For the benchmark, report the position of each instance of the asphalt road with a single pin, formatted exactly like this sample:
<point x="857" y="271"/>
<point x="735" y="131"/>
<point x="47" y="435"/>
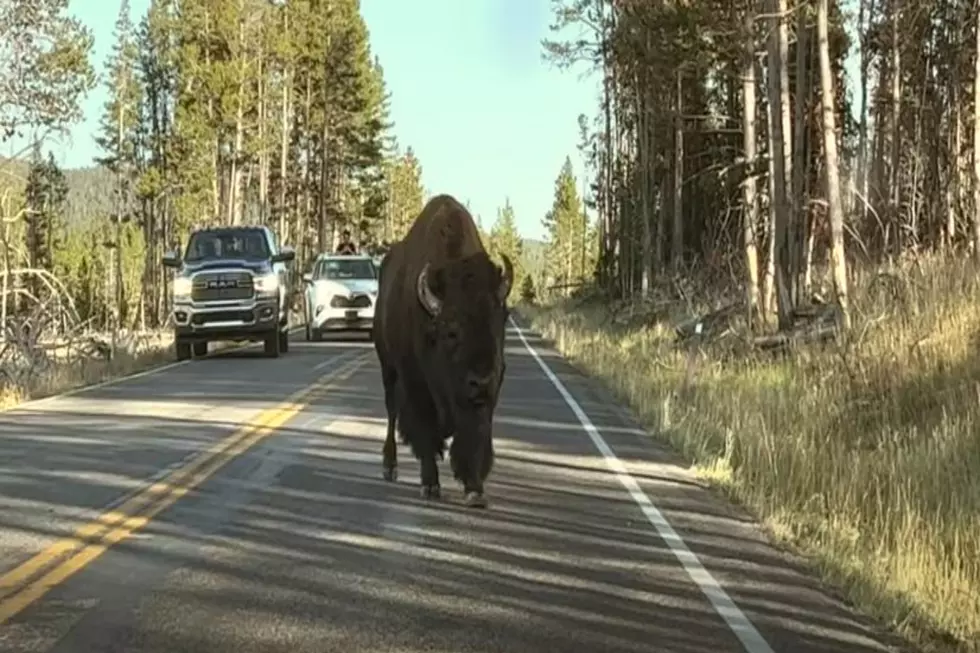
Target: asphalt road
<point x="289" y="540"/>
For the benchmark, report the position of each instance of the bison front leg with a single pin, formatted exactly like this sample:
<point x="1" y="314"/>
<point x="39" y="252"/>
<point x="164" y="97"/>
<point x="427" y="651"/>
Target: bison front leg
<point x="471" y="462"/>
<point x="389" y="454"/>
<point x="430" y="477"/>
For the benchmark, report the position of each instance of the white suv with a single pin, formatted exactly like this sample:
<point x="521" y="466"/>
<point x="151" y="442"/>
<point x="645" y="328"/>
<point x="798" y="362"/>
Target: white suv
<point x="340" y="294"/>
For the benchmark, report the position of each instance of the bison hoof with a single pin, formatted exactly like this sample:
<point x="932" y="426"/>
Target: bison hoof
<point x="391" y="473"/>
<point x="431" y="492"/>
<point x="475" y="500"/>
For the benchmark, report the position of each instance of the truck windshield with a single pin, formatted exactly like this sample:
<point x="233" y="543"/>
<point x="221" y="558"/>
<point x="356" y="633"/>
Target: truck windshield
<point x="345" y="269"/>
<point x="248" y="244"/>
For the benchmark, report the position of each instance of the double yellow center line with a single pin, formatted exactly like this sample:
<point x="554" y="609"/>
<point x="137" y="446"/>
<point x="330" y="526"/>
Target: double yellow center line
<point x="25" y="584"/>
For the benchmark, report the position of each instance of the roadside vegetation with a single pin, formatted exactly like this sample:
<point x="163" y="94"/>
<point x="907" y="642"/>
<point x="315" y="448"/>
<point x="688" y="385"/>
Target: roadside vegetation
<point x="780" y="273"/>
<point x="863" y="456"/>
<point x="34" y="370"/>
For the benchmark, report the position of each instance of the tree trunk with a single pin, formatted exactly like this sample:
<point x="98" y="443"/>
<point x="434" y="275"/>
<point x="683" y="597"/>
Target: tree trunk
<point x="750" y="205"/>
<point x="894" y="191"/>
<point x="263" y="146"/>
<point x="326" y="158"/>
<point x="287" y="85"/>
<point x="976" y="142"/>
<point x="780" y="157"/>
<point x="865" y="11"/>
<point x="831" y="168"/>
<point x="770" y="305"/>
<point x="234" y="170"/>
<point x="800" y="263"/>
<point x="643" y="132"/>
<point x="677" y="244"/>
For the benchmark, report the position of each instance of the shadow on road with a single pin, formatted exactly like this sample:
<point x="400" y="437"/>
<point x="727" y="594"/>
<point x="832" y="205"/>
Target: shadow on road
<point x="300" y="546"/>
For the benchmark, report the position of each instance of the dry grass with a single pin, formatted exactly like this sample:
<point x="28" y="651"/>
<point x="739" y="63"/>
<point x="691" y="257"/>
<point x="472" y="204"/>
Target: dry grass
<point x="866" y="458"/>
<point x="67" y="371"/>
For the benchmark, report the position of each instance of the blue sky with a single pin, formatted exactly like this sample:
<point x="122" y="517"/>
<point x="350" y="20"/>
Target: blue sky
<point x="487" y="117"/>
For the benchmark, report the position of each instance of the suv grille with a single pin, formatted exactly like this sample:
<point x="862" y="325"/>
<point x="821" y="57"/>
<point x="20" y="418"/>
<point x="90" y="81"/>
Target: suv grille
<point x="357" y="301"/>
<point x="216" y="286"/>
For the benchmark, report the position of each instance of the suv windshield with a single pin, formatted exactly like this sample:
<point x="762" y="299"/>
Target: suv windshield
<point x="248" y="244"/>
<point x="345" y="269"/>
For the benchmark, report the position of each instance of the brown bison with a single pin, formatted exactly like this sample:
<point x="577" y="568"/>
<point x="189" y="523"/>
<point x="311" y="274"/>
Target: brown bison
<point x="439" y="327"/>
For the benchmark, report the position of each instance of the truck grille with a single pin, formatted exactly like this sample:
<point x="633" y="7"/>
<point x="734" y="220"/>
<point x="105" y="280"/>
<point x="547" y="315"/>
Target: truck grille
<point x="357" y="301"/>
<point x="223" y="316"/>
<point x="217" y="286"/>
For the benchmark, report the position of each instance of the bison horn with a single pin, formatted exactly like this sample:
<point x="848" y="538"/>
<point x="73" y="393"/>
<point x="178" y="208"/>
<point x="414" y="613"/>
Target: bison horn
<point x="506" y="279"/>
<point x="429" y="301"/>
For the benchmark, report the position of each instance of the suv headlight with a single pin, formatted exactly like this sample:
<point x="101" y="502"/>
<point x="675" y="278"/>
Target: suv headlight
<point x="267" y="283"/>
<point x="182" y="287"/>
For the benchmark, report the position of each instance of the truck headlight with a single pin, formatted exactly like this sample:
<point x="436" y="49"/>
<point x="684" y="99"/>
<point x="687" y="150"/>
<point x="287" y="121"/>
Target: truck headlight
<point x="267" y="283"/>
<point x="182" y="288"/>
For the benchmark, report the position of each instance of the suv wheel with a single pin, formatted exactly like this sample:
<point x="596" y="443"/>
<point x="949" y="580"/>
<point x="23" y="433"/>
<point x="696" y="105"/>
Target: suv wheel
<point x="284" y="341"/>
<point x="201" y="348"/>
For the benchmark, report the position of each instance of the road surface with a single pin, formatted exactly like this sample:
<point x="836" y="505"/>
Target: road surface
<point x="126" y="527"/>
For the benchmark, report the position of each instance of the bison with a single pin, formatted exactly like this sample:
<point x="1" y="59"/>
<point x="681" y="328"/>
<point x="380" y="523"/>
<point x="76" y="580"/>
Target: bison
<point x="439" y="327"/>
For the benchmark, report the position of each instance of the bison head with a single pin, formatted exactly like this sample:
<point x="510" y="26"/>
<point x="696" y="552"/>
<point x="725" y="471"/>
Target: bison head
<point x="467" y="304"/>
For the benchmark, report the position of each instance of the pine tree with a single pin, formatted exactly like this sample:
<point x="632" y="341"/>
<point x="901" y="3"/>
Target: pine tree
<point x="119" y="140"/>
<point x="405" y="194"/>
<point x="121" y="114"/>
<point x="504" y="239"/>
<point x="565" y="226"/>
<point x="46" y="197"/>
<point x="45" y="71"/>
<point x="528" y="294"/>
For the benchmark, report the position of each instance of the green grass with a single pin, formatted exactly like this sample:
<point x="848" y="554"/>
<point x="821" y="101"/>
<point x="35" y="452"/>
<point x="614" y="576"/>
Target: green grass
<point x="865" y="458"/>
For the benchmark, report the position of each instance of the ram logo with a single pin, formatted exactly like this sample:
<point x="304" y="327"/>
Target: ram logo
<point x="221" y="284"/>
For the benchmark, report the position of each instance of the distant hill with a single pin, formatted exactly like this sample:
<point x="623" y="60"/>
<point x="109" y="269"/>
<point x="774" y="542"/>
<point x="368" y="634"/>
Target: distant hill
<point x="533" y="244"/>
<point x="534" y="261"/>
<point x="90" y="190"/>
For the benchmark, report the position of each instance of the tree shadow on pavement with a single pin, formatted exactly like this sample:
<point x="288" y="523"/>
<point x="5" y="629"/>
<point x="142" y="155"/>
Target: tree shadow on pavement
<point x="298" y="545"/>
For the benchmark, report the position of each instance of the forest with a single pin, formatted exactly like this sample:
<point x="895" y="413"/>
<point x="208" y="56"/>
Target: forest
<point x="788" y="208"/>
<point x="250" y="112"/>
<point x="257" y="112"/>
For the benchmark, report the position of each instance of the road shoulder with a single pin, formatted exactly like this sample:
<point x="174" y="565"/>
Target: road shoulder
<point x="778" y="589"/>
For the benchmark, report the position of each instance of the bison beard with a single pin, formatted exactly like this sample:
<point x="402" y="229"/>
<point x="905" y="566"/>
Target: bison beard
<point x="439" y="331"/>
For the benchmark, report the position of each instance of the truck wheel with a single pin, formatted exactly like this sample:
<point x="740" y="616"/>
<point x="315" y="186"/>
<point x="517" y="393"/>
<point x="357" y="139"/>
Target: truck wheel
<point x="272" y="343"/>
<point x="183" y="349"/>
<point x="201" y="348"/>
<point x="284" y="341"/>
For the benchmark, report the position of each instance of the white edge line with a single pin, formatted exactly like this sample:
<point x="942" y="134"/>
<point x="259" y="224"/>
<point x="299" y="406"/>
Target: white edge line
<point x="723" y="604"/>
<point x="33" y="403"/>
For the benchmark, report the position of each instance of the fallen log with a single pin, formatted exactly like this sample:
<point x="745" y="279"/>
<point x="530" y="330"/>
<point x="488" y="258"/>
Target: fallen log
<point x="706" y="326"/>
<point x="788" y="339"/>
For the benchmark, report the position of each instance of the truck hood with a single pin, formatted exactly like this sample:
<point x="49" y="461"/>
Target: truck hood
<point x="257" y="267"/>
